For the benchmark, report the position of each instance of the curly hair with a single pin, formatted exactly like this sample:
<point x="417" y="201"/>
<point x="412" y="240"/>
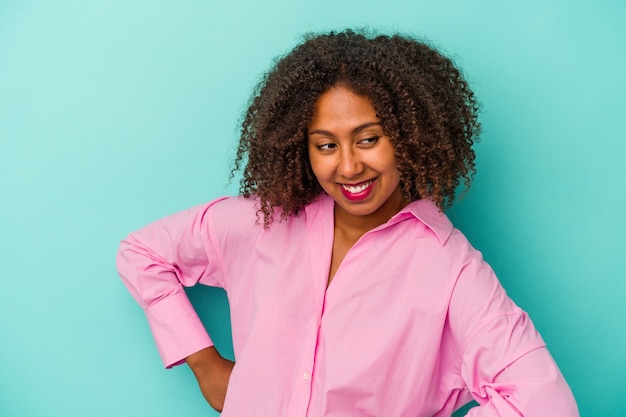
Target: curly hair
<point x="423" y="101"/>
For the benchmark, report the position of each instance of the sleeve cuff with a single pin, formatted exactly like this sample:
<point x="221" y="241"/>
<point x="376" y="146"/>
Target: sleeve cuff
<point x="177" y="329"/>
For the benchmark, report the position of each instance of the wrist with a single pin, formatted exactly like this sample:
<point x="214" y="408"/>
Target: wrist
<point x="203" y="359"/>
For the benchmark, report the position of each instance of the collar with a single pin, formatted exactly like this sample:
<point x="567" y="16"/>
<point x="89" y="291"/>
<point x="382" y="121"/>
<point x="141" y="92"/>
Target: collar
<point x="424" y="210"/>
<point x="427" y="212"/>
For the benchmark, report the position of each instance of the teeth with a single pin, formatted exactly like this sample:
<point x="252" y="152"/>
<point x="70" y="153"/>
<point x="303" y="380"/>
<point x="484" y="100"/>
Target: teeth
<point x="355" y="189"/>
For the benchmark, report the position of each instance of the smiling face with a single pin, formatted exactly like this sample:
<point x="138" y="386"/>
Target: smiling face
<point x="352" y="158"/>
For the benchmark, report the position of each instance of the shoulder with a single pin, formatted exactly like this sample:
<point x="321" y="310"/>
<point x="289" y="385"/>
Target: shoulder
<point x="233" y="215"/>
<point x="234" y="206"/>
<point x="435" y="226"/>
<point x="239" y="217"/>
<point x="428" y="214"/>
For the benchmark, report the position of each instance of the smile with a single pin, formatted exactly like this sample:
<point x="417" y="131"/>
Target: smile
<point x="356" y="192"/>
<point x="358" y="188"/>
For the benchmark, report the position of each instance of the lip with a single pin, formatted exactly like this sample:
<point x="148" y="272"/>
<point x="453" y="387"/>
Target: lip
<point x="357" y="194"/>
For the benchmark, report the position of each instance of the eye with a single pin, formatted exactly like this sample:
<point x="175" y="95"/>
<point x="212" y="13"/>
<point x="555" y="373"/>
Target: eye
<point x="369" y="141"/>
<point x="326" y="147"/>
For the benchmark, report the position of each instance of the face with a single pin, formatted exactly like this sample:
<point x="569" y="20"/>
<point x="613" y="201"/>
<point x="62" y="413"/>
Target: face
<point x="352" y="158"/>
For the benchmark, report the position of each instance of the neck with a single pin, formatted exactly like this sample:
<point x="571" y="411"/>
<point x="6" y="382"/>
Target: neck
<point x="356" y="226"/>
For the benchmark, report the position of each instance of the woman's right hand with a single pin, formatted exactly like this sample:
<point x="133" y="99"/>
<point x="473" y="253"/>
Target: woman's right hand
<point x="213" y="373"/>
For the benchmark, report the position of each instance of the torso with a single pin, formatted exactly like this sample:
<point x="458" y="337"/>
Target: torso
<point x="383" y="323"/>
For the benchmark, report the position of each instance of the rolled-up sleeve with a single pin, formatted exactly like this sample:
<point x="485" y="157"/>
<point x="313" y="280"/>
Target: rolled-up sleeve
<point x="505" y="363"/>
<point x="156" y="262"/>
<point x="531" y="386"/>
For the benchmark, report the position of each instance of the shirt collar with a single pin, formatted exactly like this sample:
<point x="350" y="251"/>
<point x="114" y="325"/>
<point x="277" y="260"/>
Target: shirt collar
<point x="427" y="212"/>
<point x="424" y="210"/>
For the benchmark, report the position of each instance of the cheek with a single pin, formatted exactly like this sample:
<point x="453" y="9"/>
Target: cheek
<point x="315" y="167"/>
<point x="319" y="166"/>
<point x="312" y="161"/>
<point x="387" y="161"/>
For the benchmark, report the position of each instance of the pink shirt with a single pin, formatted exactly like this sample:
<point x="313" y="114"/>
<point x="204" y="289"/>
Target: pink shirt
<point x="414" y="323"/>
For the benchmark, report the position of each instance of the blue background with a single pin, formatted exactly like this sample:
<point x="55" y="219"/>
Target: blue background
<point x="115" y="113"/>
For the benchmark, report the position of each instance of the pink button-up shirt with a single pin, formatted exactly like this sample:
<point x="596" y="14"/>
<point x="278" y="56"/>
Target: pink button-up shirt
<point x="414" y="323"/>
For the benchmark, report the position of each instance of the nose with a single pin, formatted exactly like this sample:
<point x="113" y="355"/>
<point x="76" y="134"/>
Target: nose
<point x="350" y="164"/>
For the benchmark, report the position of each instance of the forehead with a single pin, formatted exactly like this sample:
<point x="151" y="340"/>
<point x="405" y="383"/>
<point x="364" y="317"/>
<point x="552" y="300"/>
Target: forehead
<point x="341" y="107"/>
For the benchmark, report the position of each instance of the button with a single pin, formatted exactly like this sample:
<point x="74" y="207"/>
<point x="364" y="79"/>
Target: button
<point x="306" y="376"/>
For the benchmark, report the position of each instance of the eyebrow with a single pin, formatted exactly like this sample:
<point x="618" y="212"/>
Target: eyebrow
<point x="354" y="131"/>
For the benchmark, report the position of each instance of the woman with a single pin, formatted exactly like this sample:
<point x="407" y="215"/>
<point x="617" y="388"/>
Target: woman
<point x="351" y="293"/>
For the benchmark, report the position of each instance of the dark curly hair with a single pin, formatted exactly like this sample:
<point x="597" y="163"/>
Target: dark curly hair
<point x="425" y="106"/>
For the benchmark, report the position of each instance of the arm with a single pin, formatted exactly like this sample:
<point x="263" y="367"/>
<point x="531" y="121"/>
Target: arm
<point x="505" y="363"/>
<point x="155" y="263"/>
<point x="213" y="373"/>
<point x="530" y="386"/>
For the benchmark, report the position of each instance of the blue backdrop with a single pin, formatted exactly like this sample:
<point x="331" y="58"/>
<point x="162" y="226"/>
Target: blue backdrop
<point x="115" y="113"/>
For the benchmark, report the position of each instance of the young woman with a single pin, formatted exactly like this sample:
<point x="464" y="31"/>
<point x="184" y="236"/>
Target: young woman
<point x="351" y="293"/>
